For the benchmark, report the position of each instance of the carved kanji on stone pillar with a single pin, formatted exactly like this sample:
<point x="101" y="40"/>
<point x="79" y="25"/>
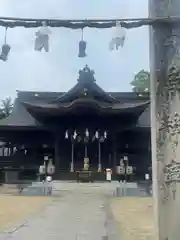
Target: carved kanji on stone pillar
<point x="165" y="87"/>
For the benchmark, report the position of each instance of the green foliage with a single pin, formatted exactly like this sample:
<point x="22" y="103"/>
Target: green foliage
<point x="141" y="82"/>
<point x="6" y="108"/>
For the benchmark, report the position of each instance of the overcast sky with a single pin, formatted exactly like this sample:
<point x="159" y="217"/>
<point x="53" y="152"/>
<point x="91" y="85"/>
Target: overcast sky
<point x="58" y="69"/>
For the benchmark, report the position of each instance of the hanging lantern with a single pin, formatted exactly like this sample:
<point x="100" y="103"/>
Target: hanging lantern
<point x="82" y="47"/>
<point x="5" y="49"/>
<point x="87" y="133"/>
<point x="66" y="135"/>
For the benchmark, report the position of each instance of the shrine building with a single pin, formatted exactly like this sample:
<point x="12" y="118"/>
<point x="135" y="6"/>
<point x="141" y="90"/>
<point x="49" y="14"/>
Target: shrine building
<point x="85" y="121"/>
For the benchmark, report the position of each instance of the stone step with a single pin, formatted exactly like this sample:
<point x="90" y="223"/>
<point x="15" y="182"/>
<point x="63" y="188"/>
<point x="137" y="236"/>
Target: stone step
<point x="36" y="191"/>
<point x="131" y="192"/>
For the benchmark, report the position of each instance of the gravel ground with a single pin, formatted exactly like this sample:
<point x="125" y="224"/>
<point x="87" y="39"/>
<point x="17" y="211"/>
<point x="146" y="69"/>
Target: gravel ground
<point x="15" y="209"/>
<point x="134" y="217"/>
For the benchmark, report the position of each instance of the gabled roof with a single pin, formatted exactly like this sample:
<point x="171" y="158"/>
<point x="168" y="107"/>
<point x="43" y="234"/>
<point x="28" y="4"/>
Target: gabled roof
<point x="85" y="93"/>
<point x="86" y="87"/>
<point x="113" y="107"/>
<point x="34" y="96"/>
<point x="19" y="117"/>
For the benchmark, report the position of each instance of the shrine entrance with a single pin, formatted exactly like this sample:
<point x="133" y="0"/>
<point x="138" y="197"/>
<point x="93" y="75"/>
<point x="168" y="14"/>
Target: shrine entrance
<point x="88" y="145"/>
<point x="96" y="154"/>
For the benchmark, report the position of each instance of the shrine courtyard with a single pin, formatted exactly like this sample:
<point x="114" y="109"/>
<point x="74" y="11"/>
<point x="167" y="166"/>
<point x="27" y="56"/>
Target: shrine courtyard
<point x="88" y="210"/>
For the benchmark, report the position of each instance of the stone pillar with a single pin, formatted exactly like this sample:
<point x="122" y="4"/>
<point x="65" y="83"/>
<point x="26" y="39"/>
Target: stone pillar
<point x="165" y="118"/>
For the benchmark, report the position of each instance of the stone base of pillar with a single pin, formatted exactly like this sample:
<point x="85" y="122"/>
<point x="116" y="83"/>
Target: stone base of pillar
<point x="72" y="167"/>
<point x="99" y="167"/>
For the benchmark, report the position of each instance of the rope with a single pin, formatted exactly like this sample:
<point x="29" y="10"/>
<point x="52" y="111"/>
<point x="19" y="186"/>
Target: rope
<point x="5" y="37"/>
<point x="82" y="34"/>
<point x="91" y="23"/>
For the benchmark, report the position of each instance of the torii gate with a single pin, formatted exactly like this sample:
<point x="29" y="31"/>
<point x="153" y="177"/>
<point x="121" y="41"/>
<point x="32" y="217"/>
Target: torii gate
<point x="165" y="117"/>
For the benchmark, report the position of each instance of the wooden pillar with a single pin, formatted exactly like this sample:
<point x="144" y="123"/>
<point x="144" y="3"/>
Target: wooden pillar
<point x="165" y="118"/>
<point x="57" y="155"/>
<point x="114" y="151"/>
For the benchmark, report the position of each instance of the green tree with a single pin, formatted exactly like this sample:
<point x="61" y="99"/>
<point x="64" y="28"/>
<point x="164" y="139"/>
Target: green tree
<point x="6" y="108"/>
<point x="141" y="82"/>
<point x="1" y="114"/>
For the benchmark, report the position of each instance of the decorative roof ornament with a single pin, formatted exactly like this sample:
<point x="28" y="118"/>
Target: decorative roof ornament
<point x="86" y="75"/>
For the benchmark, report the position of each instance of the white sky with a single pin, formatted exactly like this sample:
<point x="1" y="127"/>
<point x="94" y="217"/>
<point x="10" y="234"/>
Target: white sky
<point x="58" y="69"/>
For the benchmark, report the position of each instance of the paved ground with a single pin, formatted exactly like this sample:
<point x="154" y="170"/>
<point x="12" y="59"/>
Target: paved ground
<point x="80" y="213"/>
